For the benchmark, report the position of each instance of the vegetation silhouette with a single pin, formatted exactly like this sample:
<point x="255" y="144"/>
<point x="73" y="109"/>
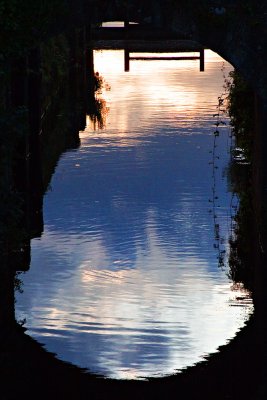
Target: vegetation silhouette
<point x="236" y="102"/>
<point x="97" y="107"/>
<point x="241" y="110"/>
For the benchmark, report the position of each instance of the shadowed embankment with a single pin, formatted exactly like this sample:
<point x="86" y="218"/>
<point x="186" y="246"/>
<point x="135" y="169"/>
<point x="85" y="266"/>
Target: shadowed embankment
<point x="28" y="371"/>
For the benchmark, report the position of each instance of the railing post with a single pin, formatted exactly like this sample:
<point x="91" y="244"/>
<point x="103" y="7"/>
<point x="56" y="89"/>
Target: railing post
<point x="202" y="60"/>
<point x="126" y="60"/>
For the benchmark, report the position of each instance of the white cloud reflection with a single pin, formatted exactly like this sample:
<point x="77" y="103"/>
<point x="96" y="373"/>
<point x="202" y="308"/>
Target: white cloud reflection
<point x="126" y="322"/>
<point x="124" y="280"/>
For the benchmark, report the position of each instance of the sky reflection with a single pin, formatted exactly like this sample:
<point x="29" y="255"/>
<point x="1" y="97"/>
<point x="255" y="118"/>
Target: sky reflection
<point x="125" y="275"/>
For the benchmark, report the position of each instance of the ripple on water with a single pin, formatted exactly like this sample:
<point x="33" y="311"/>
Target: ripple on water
<point x="124" y="280"/>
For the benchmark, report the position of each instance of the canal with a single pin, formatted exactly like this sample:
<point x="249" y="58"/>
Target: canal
<point x="126" y="279"/>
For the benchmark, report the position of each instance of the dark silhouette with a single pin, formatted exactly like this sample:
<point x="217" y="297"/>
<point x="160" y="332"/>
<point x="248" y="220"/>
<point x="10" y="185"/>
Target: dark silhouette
<point x="237" y="30"/>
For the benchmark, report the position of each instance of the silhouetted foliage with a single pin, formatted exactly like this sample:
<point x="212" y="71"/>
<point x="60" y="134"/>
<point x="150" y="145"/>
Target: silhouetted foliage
<point x="240" y="108"/>
<point x="237" y="102"/>
<point x="97" y="107"/>
<point x="23" y="25"/>
<point x="12" y="127"/>
<point x="54" y="66"/>
<point x="241" y="111"/>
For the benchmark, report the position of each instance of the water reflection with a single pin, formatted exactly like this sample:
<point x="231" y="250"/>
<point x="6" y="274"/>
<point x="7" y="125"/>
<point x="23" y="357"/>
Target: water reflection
<point x="125" y="276"/>
<point x="97" y="106"/>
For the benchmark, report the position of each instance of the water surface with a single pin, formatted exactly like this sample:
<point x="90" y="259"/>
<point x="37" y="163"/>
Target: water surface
<point x="124" y="280"/>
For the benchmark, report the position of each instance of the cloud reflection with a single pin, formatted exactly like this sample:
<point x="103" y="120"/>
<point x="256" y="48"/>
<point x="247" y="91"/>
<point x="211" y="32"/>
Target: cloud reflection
<point x="185" y="94"/>
<point x="127" y="322"/>
<point x="125" y="272"/>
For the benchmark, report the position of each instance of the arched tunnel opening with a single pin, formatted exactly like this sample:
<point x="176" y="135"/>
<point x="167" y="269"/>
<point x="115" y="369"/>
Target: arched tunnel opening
<point x="123" y="142"/>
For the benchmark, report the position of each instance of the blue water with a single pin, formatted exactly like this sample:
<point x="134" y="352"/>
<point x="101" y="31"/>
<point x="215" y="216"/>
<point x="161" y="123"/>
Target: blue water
<point x="125" y="280"/>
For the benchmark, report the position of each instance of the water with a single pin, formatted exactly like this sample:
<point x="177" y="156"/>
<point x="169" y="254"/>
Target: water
<point x="124" y="280"/>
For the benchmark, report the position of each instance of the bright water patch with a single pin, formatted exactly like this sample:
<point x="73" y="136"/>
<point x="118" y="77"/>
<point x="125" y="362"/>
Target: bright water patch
<point x="124" y="280"/>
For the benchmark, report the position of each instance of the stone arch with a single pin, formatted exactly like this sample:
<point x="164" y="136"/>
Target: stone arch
<point x="233" y="29"/>
<point x="236" y="30"/>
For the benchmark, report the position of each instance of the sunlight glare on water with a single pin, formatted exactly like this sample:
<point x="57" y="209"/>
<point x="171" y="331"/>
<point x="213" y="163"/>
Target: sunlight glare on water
<point x="124" y="280"/>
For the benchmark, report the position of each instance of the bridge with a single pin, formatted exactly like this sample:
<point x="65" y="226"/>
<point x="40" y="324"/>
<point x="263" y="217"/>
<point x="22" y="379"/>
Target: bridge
<point x="135" y="38"/>
<point x="234" y="29"/>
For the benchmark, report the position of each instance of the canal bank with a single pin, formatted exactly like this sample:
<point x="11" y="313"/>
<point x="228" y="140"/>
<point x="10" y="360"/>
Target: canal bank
<point x="28" y="370"/>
